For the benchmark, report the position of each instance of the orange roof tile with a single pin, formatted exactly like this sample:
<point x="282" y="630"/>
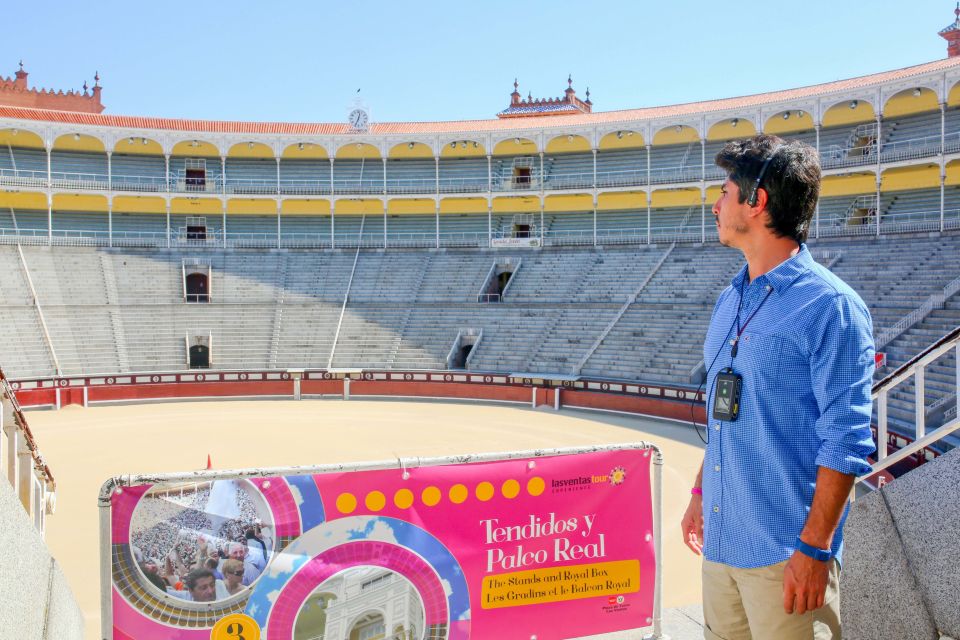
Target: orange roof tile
<point x="453" y="126"/>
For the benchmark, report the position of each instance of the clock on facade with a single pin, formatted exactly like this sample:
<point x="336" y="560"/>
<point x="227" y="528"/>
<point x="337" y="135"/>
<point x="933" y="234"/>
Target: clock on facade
<point x="359" y="119"/>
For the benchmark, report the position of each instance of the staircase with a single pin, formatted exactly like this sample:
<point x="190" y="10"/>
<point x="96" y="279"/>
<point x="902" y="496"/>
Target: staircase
<point x="116" y="320"/>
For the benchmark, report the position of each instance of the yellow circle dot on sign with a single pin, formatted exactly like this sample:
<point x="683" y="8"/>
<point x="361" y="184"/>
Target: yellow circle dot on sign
<point x="236" y="626"/>
<point x="510" y="489"/>
<point x="484" y="491"/>
<point x="403" y="499"/>
<point x="458" y="493"/>
<point x="430" y="496"/>
<point x="375" y="501"/>
<point x="535" y="486"/>
<point x="346" y="503"/>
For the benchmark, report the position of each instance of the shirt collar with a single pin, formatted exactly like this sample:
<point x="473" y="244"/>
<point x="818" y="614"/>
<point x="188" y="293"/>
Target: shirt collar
<point x="781" y="276"/>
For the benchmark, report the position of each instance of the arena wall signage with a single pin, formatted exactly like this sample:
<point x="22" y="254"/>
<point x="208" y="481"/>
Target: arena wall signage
<point x="550" y="544"/>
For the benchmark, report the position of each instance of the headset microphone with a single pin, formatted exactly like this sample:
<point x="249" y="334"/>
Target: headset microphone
<point x="752" y="200"/>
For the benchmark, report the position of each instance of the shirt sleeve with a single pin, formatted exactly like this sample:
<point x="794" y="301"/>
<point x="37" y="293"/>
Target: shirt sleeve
<point x="842" y="369"/>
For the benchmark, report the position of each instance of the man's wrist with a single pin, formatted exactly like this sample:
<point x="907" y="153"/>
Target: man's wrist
<point x="817" y="553"/>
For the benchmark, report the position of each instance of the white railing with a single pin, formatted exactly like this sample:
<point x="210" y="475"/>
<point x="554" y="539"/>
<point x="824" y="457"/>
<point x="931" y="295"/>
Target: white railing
<point x="26" y="471"/>
<point x="935" y="301"/>
<point x="914" y="369"/>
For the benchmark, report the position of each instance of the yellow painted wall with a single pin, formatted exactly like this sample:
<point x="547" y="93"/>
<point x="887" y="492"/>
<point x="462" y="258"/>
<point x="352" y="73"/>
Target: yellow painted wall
<point x="77" y="202"/>
<point x="305" y="207"/>
<point x="626" y="141"/>
<point x="906" y="103"/>
<point x="202" y="150"/>
<point x="848" y="185"/>
<point x="841" y="114"/>
<point x="137" y="148"/>
<point x="419" y="150"/>
<point x="358" y="150"/>
<point x="669" y="135"/>
<point x="561" y="144"/>
<point x="88" y="144"/>
<point x="252" y="207"/>
<point x="24" y="139"/>
<point x="358" y="207"/>
<point x="136" y="204"/>
<point x="675" y="198"/>
<point x="243" y="150"/>
<point x="953" y="173"/>
<point x="776" y="125"/>
<point x="512" y="148"/>
<point x="579" y="202"/>
<point x="463" y="205"/>
<point x="953" y="98"/>
<point x="411" y="205"/>
<point x="516" y="205"/>
<point x="310" y="151"/>
<point x="474" y="149"/>
<point x="713" y="194"/>
<point x="622" y="200"/>
<point x="910" y="178"/>
<point x="196" y="206"/>
<point x="726" y="131"/>
<point x="22" y="200"/>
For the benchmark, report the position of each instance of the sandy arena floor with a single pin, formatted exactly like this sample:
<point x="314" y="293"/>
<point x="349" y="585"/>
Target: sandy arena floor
<point x="85" y="446"/>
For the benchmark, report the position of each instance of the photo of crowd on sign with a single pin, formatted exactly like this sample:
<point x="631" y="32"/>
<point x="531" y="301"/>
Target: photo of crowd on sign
<point x="202" y="542"/>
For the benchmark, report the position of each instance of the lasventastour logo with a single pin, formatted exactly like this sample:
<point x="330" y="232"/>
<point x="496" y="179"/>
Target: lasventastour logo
<point x="616" y="477"/>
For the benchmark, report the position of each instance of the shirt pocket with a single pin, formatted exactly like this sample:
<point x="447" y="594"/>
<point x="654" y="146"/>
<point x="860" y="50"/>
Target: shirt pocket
<point x="778" y="363"/>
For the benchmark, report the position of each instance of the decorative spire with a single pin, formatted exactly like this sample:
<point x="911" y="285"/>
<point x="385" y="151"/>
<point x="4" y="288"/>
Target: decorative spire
<point x="951" y="33"/>
<point x="588" y="96"/>
<point x="85" y="87"/>
<point x="21" y="64"/>
<point x="96" y="79"/>
<point x="570" y="80"/>
<point x="516" y="85"/>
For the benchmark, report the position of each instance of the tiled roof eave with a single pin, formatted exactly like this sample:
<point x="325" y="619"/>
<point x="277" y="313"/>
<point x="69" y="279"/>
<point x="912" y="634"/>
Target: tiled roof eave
<point x="552" y="121"/>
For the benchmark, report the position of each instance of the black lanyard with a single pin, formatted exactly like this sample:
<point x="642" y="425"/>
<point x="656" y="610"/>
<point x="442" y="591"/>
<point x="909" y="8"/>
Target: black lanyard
<point x="740" y="330"/>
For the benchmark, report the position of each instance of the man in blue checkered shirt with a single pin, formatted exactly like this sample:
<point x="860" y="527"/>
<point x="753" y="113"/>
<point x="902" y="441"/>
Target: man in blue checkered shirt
<point x="796" y="342"/>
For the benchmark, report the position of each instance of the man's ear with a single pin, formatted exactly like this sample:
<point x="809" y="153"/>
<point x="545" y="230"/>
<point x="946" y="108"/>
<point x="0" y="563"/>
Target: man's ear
<point x="762" y="199"/>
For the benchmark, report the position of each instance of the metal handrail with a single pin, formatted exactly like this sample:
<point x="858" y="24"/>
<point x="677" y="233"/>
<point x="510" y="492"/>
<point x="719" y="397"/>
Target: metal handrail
<point x="912" y="369"/>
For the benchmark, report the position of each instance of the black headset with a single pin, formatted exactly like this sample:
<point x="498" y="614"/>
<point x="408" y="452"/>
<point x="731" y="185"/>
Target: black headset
<point x="752" y="200"/>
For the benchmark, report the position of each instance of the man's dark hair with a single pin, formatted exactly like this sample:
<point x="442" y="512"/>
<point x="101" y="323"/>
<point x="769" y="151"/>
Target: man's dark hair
<point x="196" y="576"/>
<point x="792" y="179"/>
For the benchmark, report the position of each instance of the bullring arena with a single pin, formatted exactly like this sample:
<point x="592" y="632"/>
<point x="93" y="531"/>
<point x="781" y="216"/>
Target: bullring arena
<point x="230" y="301"/>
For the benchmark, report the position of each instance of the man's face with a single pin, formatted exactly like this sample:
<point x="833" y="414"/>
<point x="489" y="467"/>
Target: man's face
<point x="730" y="214"/>
<point x="205" y="590"/>
<point x="238" y="552"/>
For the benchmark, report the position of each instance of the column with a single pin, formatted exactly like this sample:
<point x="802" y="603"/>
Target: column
<point x="879" y="171"/>
<point x="489" y="220"/>
<point x="489" y="173"/>
<point x="333" y="206"/>
<point x="49" y="196"/>
<point x="594" y="214"/>
<point x="594" y="168"/>
<point x="223" y="196"/>
<point x="168" y="222"/>
<point x="649" y="201"/>
<point x="109" y="170"/>
<point x="541" y="220"/>
<point x="943" y="165"/>
<point x="279" y="208"/>
<point x="110" y="221"/>
<point x="816" y="213"/>
<point x="384" y="219"/>
<point x="703" y="215"/>
<point x="49" y="218"/>
<point x="438" y="221"/>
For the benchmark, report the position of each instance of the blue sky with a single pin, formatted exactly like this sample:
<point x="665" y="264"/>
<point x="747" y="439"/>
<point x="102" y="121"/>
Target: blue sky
<point x="303" y="61"/>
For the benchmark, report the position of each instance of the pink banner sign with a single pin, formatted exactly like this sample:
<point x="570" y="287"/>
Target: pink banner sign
<point x="545" y="547"/>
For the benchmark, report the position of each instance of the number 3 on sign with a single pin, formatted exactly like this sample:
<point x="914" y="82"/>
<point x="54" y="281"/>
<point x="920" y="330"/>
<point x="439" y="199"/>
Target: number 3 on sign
<point x="235" y="627"/>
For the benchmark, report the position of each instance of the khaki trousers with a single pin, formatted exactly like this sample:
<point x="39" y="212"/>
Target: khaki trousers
<point x="747" y="604"/>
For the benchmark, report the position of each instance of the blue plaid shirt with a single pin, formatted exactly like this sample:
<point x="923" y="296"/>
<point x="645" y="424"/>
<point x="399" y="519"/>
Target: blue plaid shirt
<point x="807" y="364"/>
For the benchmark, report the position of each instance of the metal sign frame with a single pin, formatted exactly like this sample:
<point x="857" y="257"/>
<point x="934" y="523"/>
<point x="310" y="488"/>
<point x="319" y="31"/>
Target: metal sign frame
<point x="117" y="483"/>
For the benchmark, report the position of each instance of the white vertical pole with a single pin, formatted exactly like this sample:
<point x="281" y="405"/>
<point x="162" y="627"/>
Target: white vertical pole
<point x="658" y="543"/>
<point x="166" y="171"/>
<point x="110" y="220"/>
<point x="943" y="165"/>
<point x="106" y="565"/>
<point x="49" y="195"/>
<point x="223" y="196"/>
<point x="649" y="194"/>
<point x="879" y="170"/>
<point x="816" y="218"/>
